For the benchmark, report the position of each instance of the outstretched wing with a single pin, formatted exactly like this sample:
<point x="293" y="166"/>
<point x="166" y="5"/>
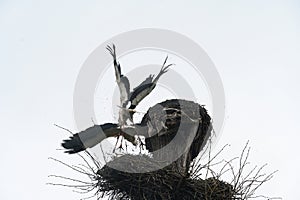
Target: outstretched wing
<point x="89" y="137"/>
<point x="139" y="94"/>
<point x="148" y="80"/>
<point x="97" y="133"/>
<point x="146" y="87"/>
<point x="123" y="82"/>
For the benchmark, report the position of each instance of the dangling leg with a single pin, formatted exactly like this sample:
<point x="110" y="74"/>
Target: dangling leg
<point x="116" y="143"/>
<point x="121" y="147"/>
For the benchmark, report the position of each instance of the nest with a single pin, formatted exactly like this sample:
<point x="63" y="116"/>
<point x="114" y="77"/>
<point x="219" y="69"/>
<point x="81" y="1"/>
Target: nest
<point x="118" y="179"/>
<point x="161" y="184"/>
<point x="133" y="176"/>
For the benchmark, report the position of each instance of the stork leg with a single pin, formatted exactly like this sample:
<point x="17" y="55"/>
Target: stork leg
<point x="142" y="144"/>
<point x="121" y="144"/>
<point x="115" y="147"/>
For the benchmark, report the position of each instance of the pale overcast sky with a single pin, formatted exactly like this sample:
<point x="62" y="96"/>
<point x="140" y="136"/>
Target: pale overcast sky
<point x="43" y="44"/>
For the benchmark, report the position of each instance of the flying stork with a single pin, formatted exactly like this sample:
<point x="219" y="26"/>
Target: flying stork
<point x="95" y="134"/>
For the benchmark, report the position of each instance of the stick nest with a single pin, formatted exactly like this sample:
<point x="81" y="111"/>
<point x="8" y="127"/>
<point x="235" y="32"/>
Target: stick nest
<point x="161" y="184"/>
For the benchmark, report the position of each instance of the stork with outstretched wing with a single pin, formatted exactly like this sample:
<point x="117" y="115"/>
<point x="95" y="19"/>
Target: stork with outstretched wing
<point x="95" y="134"/>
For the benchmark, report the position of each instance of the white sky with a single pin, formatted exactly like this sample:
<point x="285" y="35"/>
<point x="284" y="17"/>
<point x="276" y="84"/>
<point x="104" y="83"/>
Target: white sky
<point x="254" y="45"/>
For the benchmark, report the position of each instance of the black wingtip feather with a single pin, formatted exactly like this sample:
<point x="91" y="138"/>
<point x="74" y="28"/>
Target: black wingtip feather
<point x="73" y="144"/>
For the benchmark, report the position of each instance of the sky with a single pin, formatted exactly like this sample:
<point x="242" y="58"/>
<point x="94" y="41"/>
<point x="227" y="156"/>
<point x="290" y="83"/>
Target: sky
<point x="43" y="45"/>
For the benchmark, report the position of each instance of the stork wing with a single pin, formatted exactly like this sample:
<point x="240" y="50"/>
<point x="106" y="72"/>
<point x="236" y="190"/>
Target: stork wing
<point x="123" y="82"/>
<point x="148" y="80"/>
<point x="146" y="87"/>
<point x="97" y="133"/>
<point x="140" y="91"/>
<point x="139" y="94"/>
<point x="88" y="138"/>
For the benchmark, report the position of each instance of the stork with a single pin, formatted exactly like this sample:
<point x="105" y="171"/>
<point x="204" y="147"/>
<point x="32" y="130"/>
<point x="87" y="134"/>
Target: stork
<point x="95" y="134"/>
